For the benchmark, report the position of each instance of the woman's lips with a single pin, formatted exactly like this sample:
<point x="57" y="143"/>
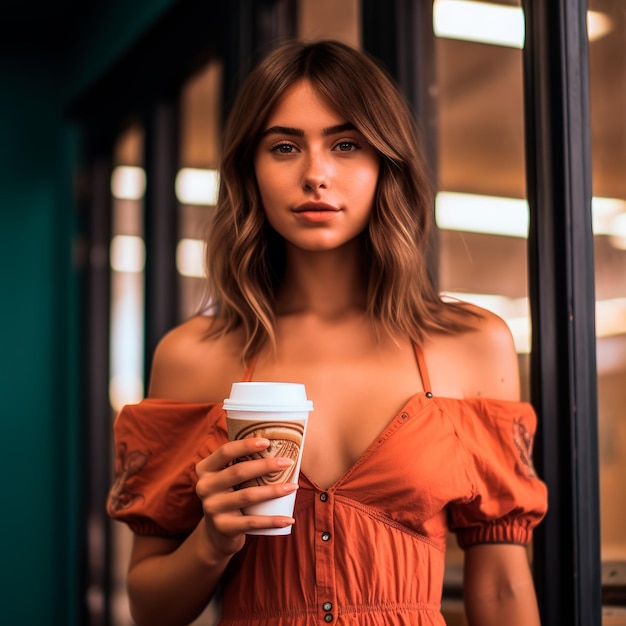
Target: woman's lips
<point x="316" y="212"/>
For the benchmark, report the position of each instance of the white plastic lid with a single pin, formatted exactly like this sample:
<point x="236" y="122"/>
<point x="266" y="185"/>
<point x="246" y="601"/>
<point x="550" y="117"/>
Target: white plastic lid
<point x="259" y="396"/>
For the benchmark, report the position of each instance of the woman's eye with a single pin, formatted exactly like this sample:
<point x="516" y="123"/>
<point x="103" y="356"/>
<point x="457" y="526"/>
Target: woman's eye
<point x="346" y="146"/>
<point x="283" y="148"/>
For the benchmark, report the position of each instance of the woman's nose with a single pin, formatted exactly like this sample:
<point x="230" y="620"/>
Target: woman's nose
<point x="317" y="174"/>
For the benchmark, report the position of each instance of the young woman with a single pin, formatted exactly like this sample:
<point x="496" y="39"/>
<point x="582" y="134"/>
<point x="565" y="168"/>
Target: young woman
<point x="316" y="264"/>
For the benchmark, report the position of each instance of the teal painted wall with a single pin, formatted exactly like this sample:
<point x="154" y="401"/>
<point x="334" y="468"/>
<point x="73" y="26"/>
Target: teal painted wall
<point x="36" y="349"/>
<point x="40" y="317"/>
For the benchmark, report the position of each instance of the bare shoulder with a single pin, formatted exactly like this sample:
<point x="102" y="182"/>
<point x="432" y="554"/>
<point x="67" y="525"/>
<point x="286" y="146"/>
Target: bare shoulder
<point x="190" y="367"/>
<point x="482" y="356"/>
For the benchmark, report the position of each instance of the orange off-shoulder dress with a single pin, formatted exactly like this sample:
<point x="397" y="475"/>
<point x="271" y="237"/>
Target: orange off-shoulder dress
<point x="368" y="551"/>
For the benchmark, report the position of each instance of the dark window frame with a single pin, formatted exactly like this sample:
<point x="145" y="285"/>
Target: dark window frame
<point x="567" y="564"/>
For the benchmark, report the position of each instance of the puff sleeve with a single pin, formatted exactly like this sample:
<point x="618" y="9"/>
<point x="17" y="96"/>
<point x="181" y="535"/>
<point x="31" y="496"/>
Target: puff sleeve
<point x="507" y="499"/>
<point x="157" y="445"/>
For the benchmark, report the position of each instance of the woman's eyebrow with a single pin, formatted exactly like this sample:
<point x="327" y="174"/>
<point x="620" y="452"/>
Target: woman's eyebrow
<point x="283" y="130"/>
<point x="298" y="132"/>
<point x="340" y="128"/>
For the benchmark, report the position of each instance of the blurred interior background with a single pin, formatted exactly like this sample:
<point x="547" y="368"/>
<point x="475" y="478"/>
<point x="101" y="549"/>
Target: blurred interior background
<point x="110" y="122"/>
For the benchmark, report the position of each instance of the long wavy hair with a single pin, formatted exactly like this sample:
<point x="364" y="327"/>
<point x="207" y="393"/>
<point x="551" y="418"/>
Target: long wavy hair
<point x="245" y="257"/>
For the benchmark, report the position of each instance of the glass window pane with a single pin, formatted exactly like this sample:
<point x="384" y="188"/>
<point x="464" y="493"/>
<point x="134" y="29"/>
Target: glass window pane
<point x="481" y="208"/>
<point x="607" y="66"/>
<point x="196" y="182"/>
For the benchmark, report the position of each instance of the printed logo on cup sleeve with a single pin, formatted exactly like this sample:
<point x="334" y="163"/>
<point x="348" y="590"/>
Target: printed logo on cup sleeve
<point x="285" y="441"/>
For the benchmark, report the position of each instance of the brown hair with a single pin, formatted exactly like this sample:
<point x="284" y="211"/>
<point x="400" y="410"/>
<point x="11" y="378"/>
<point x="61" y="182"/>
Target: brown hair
<point x="245" y="257"/>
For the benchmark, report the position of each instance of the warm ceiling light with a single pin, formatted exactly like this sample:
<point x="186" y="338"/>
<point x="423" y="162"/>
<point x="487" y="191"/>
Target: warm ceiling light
<point x="604" y="212"/>
<point x="499" y="25"/>
<point x="490" y="215"/>
<point x="610" y="315"/>
<point x="514" y="311"/>
<point x="197" y="186"/>
<point x="128" y="182"/>
<point x="481" y="22"/>
<point x="493" y="215"/>
<point x="190" y="258"/>
<point x="128" y="253"/>
<point x="618" y="231"/>
<point x="598" y="25"/>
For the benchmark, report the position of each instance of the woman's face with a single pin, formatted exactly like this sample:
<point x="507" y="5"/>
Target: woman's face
<point x="316" y="173"/>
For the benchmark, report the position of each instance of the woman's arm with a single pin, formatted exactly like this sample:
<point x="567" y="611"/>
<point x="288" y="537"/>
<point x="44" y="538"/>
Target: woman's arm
<point x="170" y="582"/>
<point x="498" y="587"/>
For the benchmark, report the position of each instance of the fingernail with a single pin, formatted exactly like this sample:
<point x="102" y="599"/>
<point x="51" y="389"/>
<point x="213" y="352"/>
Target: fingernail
<point x="262" y="443"/>
<point x="284" y="462"/>
<point x="290" y="487"/>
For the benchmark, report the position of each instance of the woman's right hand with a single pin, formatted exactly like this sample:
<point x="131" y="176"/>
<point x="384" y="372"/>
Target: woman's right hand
<point x="217" y="487"/>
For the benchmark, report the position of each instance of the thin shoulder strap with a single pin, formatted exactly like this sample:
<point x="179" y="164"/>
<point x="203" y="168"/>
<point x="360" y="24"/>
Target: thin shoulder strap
<point x="421" y="365"/>
<point x="247" y="375"/>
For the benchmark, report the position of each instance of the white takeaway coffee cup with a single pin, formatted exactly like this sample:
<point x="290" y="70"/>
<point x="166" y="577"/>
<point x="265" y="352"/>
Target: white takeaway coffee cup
<point x="279" y="412"/>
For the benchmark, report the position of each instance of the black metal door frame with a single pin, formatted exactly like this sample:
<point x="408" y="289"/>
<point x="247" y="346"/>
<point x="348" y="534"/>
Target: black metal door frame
<point x="561" y="273"/>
